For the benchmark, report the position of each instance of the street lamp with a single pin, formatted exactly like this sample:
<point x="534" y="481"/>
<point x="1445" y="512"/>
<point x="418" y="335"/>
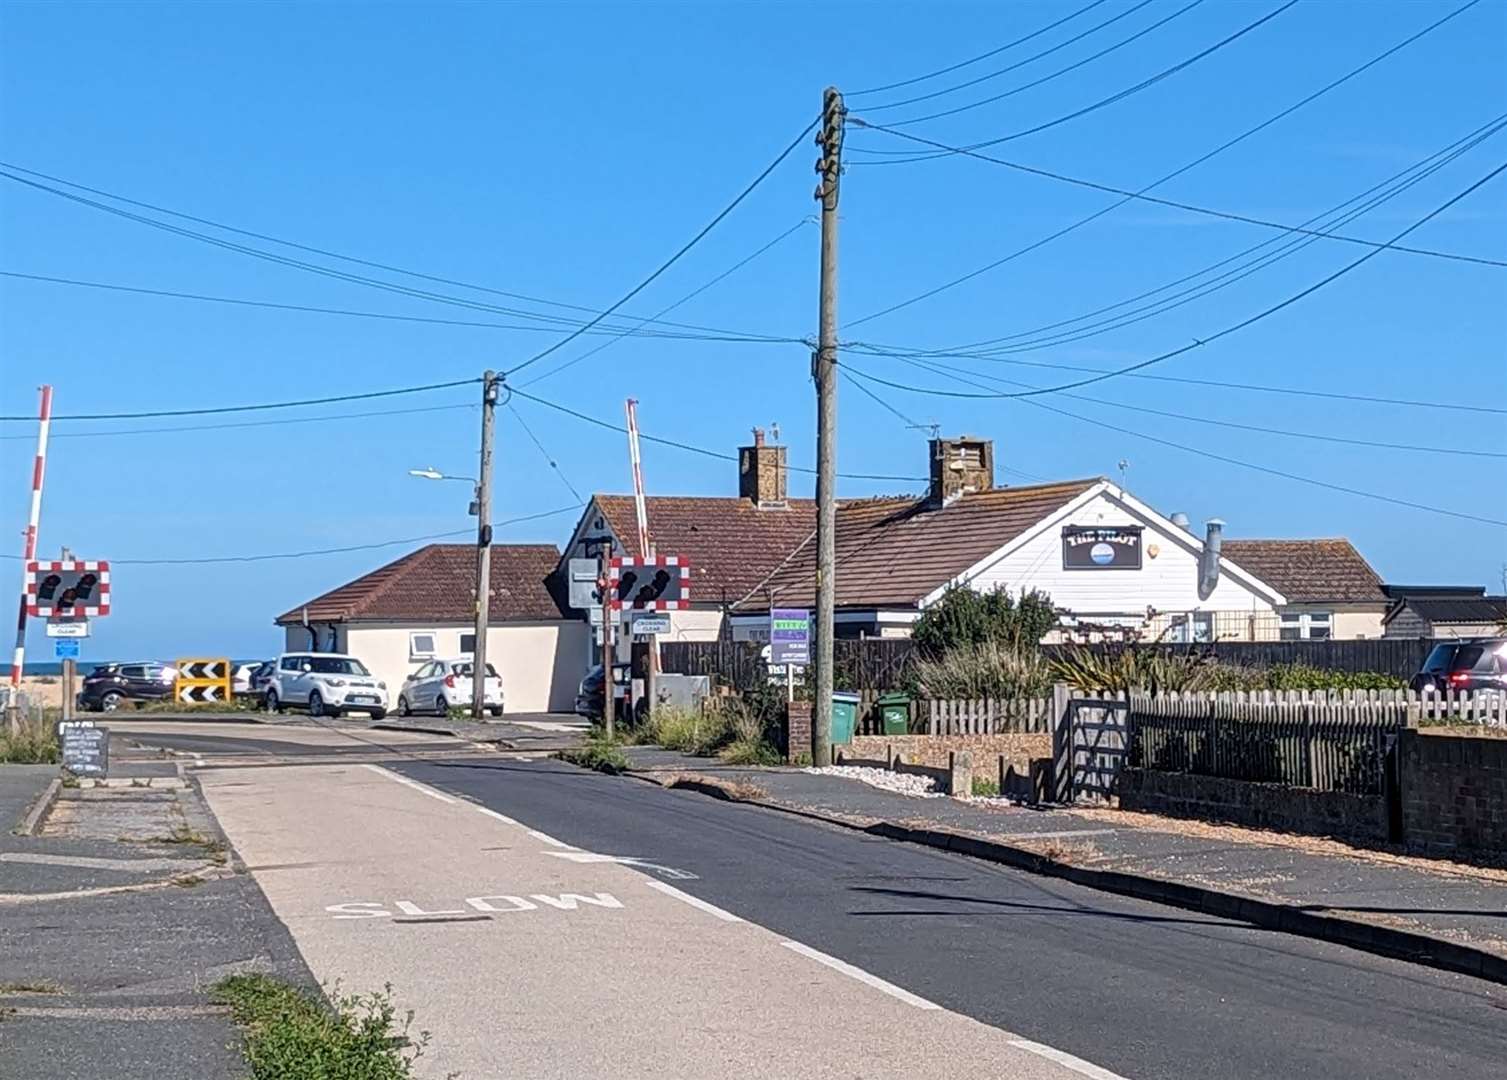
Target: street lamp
<point x="431" y="473"/>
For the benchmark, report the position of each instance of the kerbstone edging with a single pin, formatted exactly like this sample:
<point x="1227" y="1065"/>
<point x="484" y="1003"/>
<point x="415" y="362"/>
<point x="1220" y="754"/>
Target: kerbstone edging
<point x="1408" y="945"/>
<point x="38" y="809"/>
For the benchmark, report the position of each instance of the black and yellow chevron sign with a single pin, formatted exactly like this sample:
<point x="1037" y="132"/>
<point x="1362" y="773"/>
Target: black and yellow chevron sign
<point x="202" y="680"/>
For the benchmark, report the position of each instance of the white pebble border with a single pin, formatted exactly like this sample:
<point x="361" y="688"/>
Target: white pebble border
<point x="900" y="783"/>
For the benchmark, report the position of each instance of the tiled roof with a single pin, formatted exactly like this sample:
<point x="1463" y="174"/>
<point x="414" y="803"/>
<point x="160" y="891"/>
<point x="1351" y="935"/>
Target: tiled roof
<point x="1308" y="571"/>
<point x="892" y="552"/>
<point x="731" y="544"/>
<point x="436" y="583"/>
<point x="1490" y="610"/>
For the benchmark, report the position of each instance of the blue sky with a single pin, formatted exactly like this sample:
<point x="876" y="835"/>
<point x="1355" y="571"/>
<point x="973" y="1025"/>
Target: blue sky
<point x="564" y="150"/>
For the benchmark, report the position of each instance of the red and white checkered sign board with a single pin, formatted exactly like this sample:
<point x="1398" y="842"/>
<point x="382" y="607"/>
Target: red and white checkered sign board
<point x="73" y="590"/>
<point x="659" y="584"/>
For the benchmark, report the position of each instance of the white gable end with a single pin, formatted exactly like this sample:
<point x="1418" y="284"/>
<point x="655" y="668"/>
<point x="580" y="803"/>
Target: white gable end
<point x="1166" y="581"/>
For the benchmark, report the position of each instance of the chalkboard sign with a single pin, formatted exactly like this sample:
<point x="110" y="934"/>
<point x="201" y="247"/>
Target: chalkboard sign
<point x="86" y="748"/>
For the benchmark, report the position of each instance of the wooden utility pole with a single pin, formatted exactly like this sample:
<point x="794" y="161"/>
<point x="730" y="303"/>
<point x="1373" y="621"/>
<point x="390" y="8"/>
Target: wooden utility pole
<point x="490" y="385"/>
<point x="609" y="686"/>
<point x="824" y="371"/>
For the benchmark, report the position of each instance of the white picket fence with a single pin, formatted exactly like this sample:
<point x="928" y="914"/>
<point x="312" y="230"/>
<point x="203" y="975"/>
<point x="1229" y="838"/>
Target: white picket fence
<point x="985" y="716"/>
<point x="989" y="717"/>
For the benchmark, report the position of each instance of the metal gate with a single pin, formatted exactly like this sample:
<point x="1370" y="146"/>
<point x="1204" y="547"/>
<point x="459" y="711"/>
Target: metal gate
<point x="1097" y="727"/>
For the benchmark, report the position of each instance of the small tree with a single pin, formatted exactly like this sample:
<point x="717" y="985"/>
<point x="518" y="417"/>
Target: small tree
<point x="964" y="618"/>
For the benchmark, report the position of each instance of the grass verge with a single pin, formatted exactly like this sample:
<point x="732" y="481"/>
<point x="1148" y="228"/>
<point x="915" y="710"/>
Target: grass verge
<point x="291" y="1034"/>
<point x="35" y="742"/>
<point x="750" y="752"/>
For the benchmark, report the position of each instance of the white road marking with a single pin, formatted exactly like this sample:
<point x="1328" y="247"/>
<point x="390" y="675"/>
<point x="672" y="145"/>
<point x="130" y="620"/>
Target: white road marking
<point x="694" y="901"/>
<point x="494" y="814"/>
<point x="425" y="788"/>
<point x="546" y="838"/>
<point x="1066" y="1060"/>
<point x="624" y="860"/>
<point x="862" y="976"/>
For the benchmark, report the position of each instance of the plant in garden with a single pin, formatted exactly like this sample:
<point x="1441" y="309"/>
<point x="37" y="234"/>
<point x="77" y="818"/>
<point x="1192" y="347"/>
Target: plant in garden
<point x="34" y="742"/>
<point x="987" y="669"/>
<point x="963" y="617"/>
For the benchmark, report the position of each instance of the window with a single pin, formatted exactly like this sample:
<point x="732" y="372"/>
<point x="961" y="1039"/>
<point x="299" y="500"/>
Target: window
<point x="421" y="644"/>
<point x="336" y="665"/>
<point x="464" y="670"/>
<point x="289" y="663"/>
<point x="134" y="671"/>
<point x="1307" y="625"/>
<point x="1203" y="626"/>
<point x="468" y="643"/>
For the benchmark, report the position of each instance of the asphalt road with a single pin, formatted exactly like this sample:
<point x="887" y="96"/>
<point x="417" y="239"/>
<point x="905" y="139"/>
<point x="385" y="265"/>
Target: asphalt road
<point x="1145" y="991"/>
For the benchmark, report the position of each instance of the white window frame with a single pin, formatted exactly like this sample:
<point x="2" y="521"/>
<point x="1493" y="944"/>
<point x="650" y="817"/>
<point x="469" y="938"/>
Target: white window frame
<point x="415" y="651"/>
<point x="1306" y="622"/>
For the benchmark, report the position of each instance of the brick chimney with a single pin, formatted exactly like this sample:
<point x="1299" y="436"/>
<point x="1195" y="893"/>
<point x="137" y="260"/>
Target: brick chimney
<point x="761" y="473"/>
<point x="959" y="466"/>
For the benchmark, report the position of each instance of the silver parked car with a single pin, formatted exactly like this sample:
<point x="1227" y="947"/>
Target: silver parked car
<point x="440" y="685"/>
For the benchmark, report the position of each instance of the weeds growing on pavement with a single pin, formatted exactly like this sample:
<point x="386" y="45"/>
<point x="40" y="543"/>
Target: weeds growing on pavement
<point x="30" y="989"/>
<point x="984" y="788"/>
<point x="749" y="752"/>
<point x="243" y="703"/>
<point x="601" y="754"/>
<point x="290" y="1034"/>
<point x="35" y="742"/>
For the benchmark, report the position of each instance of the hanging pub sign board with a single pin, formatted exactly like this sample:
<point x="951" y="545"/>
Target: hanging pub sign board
<point x="1098" y="548"/>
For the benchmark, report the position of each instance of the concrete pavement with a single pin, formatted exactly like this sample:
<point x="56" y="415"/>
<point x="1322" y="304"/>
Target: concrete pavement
<point x="527" y="957"/>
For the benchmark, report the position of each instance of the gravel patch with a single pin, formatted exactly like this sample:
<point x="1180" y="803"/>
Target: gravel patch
<point x="900" y="783"/>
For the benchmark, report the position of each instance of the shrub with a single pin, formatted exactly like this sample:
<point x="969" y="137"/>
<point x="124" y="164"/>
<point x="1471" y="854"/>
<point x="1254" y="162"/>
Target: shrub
<point x="963" y="617"/>
<point x="292" y="1035"/>
<point x="1159" y="671"/>
<point x="989" y="669"/>
<point x="984" y="789"/>
<point x="35" y="742"/>
<point x="690" y="731"/>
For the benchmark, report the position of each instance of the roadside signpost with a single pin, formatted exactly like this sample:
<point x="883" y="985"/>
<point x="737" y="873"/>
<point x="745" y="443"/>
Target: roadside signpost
<point x="65" y="649"/>
<point x="789" y="642"/>
<point x="72" y="588"/>
<point x="85" y="748"/>
<point x="203" y="680"/>
<point x="68" y="628"/>
<point x="659" y="583"/>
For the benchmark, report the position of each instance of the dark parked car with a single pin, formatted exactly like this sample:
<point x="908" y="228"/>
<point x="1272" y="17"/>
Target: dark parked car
<point x="113" y="686"/>
<point x="1467" y="664"/>
<point x="589" y="696"/>
<point x="260" y="678"/>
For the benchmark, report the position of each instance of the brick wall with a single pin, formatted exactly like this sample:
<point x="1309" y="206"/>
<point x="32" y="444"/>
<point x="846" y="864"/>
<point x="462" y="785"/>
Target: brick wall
<point x="933" y="750"/>
<point x="1454" y="792"/>
<point x="1361" y="818"/>
<point x="797" y="732"/>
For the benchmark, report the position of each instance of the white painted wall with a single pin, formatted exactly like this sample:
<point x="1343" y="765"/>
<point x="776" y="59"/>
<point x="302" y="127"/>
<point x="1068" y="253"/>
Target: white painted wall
<point x="541" y="663"/>
<point x="1167" y="581"/>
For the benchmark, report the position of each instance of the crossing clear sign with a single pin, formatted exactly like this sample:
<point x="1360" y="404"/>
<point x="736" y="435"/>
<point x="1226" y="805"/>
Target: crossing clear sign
<point x="68" y="628"/>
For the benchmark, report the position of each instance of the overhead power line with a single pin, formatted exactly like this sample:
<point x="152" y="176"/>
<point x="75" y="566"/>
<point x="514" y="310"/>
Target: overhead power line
<point x="1233" y="328"/>
<point x="616" y="337"/>
<point x="1104" y="102"/>
<point x="950" y="371"/>
<point x="1290" y="391"/>
<point x="1129" y="196"/>
<point x="268" y="557"/>
<point x="1032" y="59"/>
<point x="1269" y="470"/>
<point x="220" y="409"/>
<point x="1031" y="85"/>
<point x="1063" y="331"/>
<point x="673" y="259"/>
<point x="980" y="57"/>
<point x="389" y="316"/>
<point x="690" y="447"/>
<point x="242" y="424"/>
<point x="548" y="457"/>
<point x="311" y="249"/>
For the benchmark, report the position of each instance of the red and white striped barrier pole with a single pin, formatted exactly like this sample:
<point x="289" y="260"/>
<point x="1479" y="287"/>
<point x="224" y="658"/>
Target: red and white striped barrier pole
<point x="39" y="469"/>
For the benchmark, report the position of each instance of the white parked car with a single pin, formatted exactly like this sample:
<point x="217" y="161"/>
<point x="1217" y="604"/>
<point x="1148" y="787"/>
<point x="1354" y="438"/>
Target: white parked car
<point x="440" y="685"/>
<point x="328" y="684"/>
